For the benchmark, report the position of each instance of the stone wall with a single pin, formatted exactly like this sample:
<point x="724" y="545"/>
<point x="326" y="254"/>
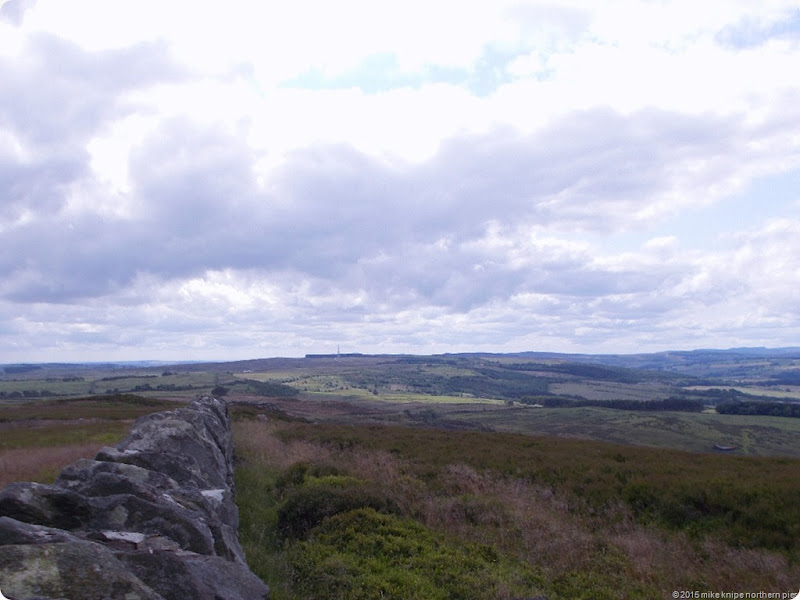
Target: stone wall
<point x="152" y="519"/>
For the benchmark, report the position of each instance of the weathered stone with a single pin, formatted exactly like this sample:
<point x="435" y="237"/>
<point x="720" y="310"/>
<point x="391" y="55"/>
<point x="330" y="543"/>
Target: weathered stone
<point x="162" y="502"/>
<point x="44" y="505"/>
<point x="100" y="478"/>
<point x="130" y="513"/>
<point x="192" y="445"/>
<point x="69" y="569"/>
<point x="13" y="532"/>
<point x="56" y="507"/>
<point x="170" y="446"/>
<point x="97" y="478"/>
<point x="177" y="576"/>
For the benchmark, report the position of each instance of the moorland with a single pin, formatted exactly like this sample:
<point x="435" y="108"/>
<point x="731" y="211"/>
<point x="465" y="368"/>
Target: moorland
<point x="471" y="475"/>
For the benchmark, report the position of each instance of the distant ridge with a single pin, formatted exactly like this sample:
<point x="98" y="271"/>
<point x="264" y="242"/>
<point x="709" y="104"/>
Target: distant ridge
<point x="651" y="360"/>
<point x="342" y="355"/>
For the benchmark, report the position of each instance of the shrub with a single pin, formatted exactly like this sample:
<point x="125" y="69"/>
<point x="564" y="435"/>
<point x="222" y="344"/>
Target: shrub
<point x="296" y="475"/>
<point x="363" y="554"/>
<point x="319" y="498"/>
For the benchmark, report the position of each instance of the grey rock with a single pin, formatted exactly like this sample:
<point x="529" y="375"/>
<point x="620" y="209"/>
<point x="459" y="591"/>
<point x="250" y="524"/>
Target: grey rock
<point x="97" y="478"/>
<point x="71" y="569"/>
<point x="101" y="478"/>
<point x="178" y="576"/>
<point x="153" y="518"/>
<point x="53" y="506"/>
<point x="192" y="445"/>
<point x="44" y="505"/>
<point x="13" y="532"/>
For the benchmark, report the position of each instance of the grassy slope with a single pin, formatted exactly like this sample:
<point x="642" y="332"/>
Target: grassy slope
<point x="420" y="381"/>
<point x="697" y="432"/>
<point x="571" y="518"/>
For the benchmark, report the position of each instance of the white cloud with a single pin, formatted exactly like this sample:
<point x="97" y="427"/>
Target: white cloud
<point x="165" y="186"/>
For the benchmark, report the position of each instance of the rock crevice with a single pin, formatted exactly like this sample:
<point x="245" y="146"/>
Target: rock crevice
<point x="153" y="518"/>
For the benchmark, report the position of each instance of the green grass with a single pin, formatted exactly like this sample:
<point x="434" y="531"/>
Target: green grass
<point x="183" y="382"/>
<point x="103" y="381"/>
<point x="305" y="380"/>
<point x="114" y="406"/>
<point x="258" y="525"/>
<point x="52" y="386"/>
<point x="63" y="435"/>
<point x="431" y="399"/>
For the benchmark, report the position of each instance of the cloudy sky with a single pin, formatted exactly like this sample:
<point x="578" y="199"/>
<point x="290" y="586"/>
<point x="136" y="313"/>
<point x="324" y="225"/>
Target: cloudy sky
<point x="240" y="179"/>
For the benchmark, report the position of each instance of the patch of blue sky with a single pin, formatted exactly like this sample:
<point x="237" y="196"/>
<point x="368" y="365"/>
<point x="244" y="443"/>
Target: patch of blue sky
<point x="770" y="197"/>
<point x="749" y="33"/>
<point x="381" y="72"/>
<point x="713" y="227"/>
<point x="376" y="73"/>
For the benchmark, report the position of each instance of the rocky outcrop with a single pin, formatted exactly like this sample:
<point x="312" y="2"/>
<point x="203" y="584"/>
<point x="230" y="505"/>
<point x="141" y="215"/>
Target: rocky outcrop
<point x="152" y="519"/>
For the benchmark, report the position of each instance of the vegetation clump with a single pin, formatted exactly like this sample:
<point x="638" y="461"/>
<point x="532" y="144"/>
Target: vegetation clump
<point x="365" y="554"/>
<point x="317" y="498"/>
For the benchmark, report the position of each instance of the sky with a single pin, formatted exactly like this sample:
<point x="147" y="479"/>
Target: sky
<point x="241" y="179"/>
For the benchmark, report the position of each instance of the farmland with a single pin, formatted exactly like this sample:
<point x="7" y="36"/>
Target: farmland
<point x="664" y="400"/>
<point x="487" y="476"/>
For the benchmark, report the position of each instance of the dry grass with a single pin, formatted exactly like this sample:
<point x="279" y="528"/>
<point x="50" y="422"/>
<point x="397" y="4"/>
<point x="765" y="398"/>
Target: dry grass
<point x="41" y="464"/>
<point x="38" y="439"/>
<point x="258" y="442"/>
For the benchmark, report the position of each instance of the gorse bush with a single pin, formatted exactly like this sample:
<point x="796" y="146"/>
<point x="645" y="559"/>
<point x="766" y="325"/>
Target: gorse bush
<point x="319" y="498"/>
<point x="347" y="540"/>
<point x="363" y="554"/>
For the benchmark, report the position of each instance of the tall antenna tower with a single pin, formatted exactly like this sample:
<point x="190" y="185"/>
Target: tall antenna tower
<point x="337" y="352"/>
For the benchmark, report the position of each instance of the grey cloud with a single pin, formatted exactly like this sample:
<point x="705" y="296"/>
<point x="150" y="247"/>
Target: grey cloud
<point x="334" y="215"/>
<point x="13" y="11"/>
<point x="54" y="99"/>
<point x="54" y="260"/>
<point x="39" y="185"/>
<point x="590" y="170"/>
<point x="58" y="94"/>
<point x="462" y="279"/>
<point x="193" y="181"/>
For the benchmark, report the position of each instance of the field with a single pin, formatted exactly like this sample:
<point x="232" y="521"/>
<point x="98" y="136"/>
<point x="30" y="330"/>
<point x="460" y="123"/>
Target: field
<point x="784" y="392"/>
<point x="38" y="439"/>
<point x="696" y="432"/>
<point x="470" y="476"/>
<point x="398" y="512"/>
